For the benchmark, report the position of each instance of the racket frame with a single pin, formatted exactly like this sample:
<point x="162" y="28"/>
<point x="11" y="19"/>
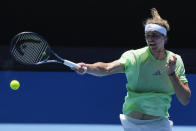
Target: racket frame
<point x="47" y="60"/>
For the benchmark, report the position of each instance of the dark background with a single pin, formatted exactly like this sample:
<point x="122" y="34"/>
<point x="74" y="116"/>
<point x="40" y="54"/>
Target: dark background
<point x="90" y="27"/>
<point x="97" y="23"/>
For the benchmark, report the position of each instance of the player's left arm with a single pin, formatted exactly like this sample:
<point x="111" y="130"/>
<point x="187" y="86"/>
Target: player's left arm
<point x="182" y="90"/>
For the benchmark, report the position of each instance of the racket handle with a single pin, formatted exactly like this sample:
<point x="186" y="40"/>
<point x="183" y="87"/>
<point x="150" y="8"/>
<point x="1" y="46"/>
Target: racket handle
<point x="71" y="64"/>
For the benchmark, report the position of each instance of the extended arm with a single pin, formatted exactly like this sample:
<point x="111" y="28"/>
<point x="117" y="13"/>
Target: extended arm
<point x="100" y="68"/>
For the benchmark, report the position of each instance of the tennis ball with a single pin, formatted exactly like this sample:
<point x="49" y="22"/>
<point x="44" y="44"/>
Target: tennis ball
<point x="44" y="53"/>
<point x="14" y="84"/>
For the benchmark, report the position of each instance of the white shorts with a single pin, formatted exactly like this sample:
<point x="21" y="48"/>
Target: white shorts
<point x="159" y="124"/>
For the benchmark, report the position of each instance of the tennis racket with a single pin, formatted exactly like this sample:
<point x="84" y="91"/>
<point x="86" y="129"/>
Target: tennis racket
<point x="32" y="49"/>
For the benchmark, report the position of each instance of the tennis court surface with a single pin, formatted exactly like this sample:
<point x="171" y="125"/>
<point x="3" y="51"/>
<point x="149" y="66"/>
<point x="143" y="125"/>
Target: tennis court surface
<point x="74" y="127"/>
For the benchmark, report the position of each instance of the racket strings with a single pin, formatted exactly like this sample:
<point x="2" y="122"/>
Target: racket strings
<point x="27" y="55"/>
<point x="39" y="49"/>
<point x="18" y="52"/>
<point x="31" y="47"/>
<point x="43" y="49"/>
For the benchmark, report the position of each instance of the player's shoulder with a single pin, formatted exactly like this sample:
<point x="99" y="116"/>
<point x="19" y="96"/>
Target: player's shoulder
<point x="171" y="54"/>
<point x="139" y="51"/>
<point x="136" y="54"/>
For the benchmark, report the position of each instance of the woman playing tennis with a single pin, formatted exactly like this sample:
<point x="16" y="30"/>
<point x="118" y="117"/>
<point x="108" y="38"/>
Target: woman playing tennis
<point x="153" y="75"/>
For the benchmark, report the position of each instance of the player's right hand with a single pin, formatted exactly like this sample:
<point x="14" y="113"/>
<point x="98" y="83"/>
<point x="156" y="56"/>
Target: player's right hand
<point x="82" y="68"/>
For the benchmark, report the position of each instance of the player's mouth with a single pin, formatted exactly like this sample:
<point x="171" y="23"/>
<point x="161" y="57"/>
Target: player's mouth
<point x="152" y="44"/>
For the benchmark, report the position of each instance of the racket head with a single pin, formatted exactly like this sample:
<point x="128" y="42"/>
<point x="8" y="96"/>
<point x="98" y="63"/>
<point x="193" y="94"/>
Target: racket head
<point x="30" y="48"/>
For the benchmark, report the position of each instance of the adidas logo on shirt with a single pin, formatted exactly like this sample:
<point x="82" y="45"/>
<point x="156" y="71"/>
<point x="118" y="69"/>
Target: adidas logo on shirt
<point x="157" y="73"/>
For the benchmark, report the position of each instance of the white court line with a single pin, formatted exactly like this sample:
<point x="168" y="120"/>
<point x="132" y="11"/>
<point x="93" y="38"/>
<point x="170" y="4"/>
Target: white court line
<point x="74" y="127"/>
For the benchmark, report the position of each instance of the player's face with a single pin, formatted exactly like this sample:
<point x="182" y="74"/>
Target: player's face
<point x="155" y="40"/>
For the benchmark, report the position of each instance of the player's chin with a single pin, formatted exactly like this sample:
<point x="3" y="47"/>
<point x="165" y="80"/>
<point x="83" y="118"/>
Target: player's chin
<point x="154" y="47"/>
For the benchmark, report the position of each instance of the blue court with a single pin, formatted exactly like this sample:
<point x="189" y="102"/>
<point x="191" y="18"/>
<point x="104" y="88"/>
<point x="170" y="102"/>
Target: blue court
<point x="61" y="101"/>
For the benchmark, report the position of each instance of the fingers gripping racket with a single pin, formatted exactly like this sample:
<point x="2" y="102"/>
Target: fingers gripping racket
<point x="32" y="49"/>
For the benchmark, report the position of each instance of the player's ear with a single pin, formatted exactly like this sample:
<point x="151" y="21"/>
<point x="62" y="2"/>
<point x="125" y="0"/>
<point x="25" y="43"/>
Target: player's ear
<point x="165" y="38"/>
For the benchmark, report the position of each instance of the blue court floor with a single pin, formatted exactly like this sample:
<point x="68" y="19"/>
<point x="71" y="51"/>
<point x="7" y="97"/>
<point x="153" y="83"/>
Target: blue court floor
<point x="74" y="127"/>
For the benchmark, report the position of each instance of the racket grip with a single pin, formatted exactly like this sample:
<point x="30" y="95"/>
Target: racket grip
<point x="71" y="64"/>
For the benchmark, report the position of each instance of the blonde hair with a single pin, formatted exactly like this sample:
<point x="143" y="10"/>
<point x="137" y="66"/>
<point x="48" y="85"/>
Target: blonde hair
<point x="156" y="19"/>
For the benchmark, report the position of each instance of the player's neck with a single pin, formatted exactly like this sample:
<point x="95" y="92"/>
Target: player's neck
<point x="159" y="55"/>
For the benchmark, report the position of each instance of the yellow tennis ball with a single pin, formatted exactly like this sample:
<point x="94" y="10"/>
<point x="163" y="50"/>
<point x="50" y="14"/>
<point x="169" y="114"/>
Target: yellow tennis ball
<point x="14" y="84"/>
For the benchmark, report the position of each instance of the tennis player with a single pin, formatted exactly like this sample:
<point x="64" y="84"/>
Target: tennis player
<point x="153" y="75"/>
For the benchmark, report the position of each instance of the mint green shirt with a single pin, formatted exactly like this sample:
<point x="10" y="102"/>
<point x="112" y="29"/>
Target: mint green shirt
<point x="148" y="85"/>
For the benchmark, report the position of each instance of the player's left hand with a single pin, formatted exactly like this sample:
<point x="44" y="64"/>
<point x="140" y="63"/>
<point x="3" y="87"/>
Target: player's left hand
<point x="171" y="65"/>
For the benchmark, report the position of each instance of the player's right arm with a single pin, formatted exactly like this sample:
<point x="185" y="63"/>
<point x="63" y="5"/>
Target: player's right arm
<point x="101" y="68"/>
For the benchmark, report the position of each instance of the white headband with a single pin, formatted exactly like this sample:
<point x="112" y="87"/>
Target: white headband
<point x="155" y="27"/>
